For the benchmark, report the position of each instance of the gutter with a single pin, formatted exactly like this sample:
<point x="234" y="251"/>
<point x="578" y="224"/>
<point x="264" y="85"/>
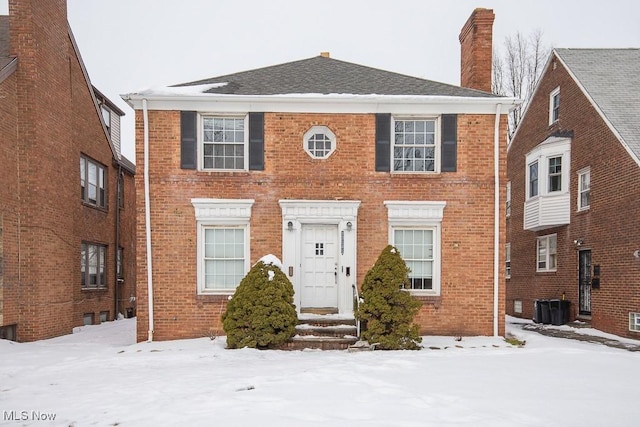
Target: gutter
<point x="496" y="221"/>
<point x="147" y="217"/>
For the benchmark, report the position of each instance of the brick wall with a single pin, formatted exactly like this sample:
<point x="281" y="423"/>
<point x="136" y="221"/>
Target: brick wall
<point x="465" y="306"/>
<point x="608" y="228"/>
<point x="9" y="197"/>
<point x="55" y="122"/>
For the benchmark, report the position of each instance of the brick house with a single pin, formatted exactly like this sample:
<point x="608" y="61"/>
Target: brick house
<point x="67" y="199"/>
<point x="574" y="172"/>
<point x="323" y="163"/>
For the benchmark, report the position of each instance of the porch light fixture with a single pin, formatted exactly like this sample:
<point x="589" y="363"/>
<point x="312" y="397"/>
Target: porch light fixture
<point x="578" y="242"/>
<point x="290" y="226"/>
<point x="349" y="226"/>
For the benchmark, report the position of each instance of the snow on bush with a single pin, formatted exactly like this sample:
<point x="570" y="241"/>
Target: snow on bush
<point x="261" y="314"/>
<point x="386" y="310"/>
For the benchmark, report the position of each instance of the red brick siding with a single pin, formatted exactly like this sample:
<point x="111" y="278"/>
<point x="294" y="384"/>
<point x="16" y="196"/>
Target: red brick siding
<point x="55" y="122"/>
<point x="608" y="228"/>
<point x="466" y="304"/>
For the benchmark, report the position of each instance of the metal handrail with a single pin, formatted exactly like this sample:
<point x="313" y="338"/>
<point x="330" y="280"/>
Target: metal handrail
<point x="356" y="304"/>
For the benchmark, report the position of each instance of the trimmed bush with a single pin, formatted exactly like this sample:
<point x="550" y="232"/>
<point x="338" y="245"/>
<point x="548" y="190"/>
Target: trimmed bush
<point x="261" y="314"/>
<point x="386" y="309"/>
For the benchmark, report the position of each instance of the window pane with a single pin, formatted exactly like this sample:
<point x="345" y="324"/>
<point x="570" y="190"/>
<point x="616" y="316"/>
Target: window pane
<point x="533" y="179"/>
<point x="224" y="257"/>
<point x="83" y="263"/>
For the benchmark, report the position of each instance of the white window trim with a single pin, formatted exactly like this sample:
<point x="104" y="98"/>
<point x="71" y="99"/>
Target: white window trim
<point x="507" y="259"/>
<point x="420" y="215"/>
<point x="316" y="130"/>
<point x="528" y="177"/>
<point x="582" y="172"/>
<point x="552" y="95"/>
<point x="634" y="322"/>
<point x="224" y="213"/>
<point x="436" y="138"/>
<point x="200" y="148"/>
<point x="517" y="306"/>
<point x="508" y="200"/>
<point x="546" y="269"/>
<point x="550" y="148"/>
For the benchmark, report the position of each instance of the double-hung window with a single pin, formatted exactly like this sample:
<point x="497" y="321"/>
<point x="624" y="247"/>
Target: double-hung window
<point x="223" y="243"/>
<point x="414" y="145"/>
<point x="93" y="265"/>
<point x="555" y="174"/>
<point x="93" y="182"/>
<point x="415" y="230"/>
<point x="508" y="202"/>
<point x="416" y="246"/>
<point x="533" y="179"/>
<point x="224" y="143"/>
<point x="224" y="257"/>
<point x="507" y="260"/>
<point x="554" y="105"/>
<point x="547" y="253"/>
<point x="584" y="189"/>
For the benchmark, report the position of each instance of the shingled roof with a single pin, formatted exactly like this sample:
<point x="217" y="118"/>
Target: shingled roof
<point x="611" y="78"/>
<point x="5" y="58"/>
<point x="324" y="75"/>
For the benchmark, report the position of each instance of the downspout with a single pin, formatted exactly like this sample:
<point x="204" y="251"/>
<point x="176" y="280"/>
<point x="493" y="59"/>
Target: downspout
<point x="496" y="221"/>
<point x="147" y="216"/>
<point x="117" y="239"/>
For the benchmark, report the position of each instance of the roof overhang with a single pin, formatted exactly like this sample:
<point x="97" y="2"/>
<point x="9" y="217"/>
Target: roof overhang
<point x="321" y="103"/>
<point x="6" y="69"/>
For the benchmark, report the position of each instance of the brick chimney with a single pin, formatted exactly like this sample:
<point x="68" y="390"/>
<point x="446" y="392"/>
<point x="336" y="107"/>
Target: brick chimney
<point x="476" y="50"/>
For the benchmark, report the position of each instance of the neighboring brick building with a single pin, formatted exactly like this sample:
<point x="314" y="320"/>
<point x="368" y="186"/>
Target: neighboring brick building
<point x="323" y="163"/>
<point x="574" y="171"/>
<point x="60" y="221"/>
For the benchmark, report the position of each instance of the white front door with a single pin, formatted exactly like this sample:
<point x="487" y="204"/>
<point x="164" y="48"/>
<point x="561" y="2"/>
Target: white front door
<point x="319" y="281"/>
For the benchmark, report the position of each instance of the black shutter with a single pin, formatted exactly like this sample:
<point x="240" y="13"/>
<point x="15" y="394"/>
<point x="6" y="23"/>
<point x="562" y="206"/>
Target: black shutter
<point x="383" y="142"/>
<point x="256" y="141"/>
<point x="449" y="142"/>
<point x="188" y="139"/>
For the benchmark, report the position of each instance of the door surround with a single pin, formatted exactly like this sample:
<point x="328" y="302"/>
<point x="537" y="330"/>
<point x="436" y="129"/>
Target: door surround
<point x="343" y="214"/>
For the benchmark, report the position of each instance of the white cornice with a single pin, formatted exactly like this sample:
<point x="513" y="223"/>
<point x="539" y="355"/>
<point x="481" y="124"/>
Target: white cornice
<point x="221" y="210"/>
<point x="318" y="103"/>
<point x="319" y="209"/>
<point x="415" y="211"/>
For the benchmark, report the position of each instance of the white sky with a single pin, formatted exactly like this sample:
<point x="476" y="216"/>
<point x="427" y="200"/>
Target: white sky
<point x="99" y="377"/>
<point x="130" y="45"/>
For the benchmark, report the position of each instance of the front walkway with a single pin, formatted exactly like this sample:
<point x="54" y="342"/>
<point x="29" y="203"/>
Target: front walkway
<point x="576" y="331"/>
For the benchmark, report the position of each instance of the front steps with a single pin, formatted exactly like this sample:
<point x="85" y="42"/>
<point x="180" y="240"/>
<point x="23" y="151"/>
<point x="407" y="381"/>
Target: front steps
<point x="323" y="332"/>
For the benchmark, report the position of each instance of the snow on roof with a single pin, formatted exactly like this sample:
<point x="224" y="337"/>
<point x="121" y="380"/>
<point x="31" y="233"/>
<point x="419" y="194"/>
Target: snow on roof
<point x="182" y="90"/>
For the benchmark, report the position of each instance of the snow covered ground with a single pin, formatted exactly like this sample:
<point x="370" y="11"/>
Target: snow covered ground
<point x="98" y="376"/>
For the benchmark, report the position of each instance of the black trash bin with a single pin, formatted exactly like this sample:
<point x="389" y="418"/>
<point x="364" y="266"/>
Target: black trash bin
<point x="555" y="312"/>
<point x="565" y="308"/>
<point x="545" y="315"/>
<point x="537" y="311"/>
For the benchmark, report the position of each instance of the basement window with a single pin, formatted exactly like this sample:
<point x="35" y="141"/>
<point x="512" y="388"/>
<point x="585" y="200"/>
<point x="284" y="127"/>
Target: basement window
<point x="87" y="319"/>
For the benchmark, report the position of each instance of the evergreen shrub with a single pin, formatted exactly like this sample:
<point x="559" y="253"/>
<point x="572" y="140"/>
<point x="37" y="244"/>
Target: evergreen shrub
<point x="386" y="310"/>
<point x="261" y="313"/>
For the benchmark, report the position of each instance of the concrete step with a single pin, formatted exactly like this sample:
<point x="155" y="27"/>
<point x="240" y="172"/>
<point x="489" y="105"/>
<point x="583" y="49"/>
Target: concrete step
<point x="302" y="342"/>
<point x="338" y="331"/>
<point x="324" y="332"/>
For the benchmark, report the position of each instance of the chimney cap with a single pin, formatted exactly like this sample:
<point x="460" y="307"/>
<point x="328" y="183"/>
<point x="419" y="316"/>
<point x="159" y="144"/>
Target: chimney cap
<point x="325" y="54"/>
